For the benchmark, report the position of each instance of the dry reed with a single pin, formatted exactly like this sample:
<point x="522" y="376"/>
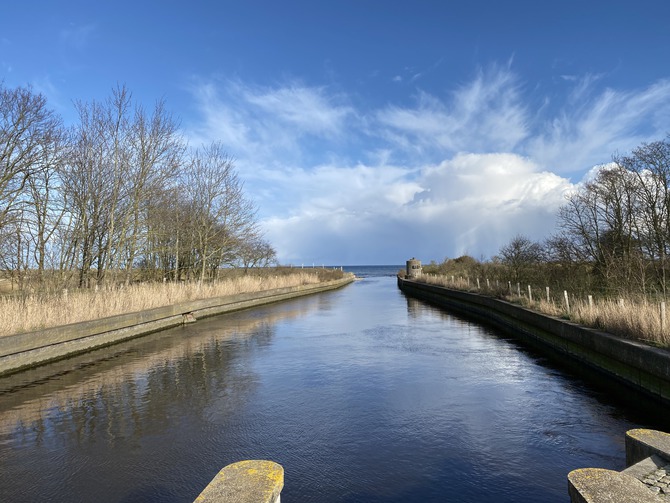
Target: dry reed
<point x="38" y="311"/>
<point x="631" y="318"/>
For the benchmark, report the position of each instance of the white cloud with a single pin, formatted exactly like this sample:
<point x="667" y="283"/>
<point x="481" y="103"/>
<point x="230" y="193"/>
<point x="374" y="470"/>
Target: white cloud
<point x="456" y="173"/>
<point x="470" y="204"/>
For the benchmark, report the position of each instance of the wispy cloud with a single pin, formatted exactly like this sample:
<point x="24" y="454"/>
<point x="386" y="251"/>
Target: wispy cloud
<point x="264" y="123"/>
<point x="77" y="36"/>
<point x="485" y="115"/>
<point x="594" y="124"/>
<point x="310" y="110"/>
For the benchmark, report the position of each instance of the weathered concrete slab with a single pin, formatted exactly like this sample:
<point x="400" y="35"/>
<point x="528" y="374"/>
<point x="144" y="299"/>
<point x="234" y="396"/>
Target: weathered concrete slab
<point x="642" y="443"/>
<point x="252" y="481"/>
<point x="596" y="485"/>
<point x="642" y="469"/>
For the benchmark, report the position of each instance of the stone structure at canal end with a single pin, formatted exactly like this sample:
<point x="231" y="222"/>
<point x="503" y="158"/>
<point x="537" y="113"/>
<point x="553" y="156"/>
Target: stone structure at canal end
<point x="413" y="268"/>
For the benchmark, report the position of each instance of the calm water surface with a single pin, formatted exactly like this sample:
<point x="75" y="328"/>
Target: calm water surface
<point x="361" y="394"/>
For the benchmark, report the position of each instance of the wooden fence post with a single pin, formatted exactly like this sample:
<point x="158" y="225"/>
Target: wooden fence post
<point x="530" y="294"/>
<point x="548" y="298"/>
<point x="663" y="317"/>
<point x="567" y="301"/>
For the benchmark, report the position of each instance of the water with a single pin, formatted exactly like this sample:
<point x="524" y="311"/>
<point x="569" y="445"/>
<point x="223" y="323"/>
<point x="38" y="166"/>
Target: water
<point x="361" y="394"/>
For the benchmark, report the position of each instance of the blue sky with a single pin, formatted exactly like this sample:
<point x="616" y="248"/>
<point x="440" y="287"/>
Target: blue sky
<point x="368" y="132"/>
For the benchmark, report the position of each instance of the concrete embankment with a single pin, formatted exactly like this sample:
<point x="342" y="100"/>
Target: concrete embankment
<point x="645" y="369"/>
<point x="29" y="349"/>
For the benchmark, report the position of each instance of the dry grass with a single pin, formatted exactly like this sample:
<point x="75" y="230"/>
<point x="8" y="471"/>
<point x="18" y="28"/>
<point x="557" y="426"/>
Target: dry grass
<point x="631" y="318"/>
<point x="36" y="311"/>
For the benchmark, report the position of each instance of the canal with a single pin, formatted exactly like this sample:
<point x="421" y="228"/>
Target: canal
<point x="362" y="394"/>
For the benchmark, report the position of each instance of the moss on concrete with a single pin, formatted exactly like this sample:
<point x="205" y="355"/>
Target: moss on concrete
<point x="252" y="481"/>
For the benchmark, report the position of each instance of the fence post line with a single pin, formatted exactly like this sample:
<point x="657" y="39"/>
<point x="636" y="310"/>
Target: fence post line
<point x="567" y="301"/>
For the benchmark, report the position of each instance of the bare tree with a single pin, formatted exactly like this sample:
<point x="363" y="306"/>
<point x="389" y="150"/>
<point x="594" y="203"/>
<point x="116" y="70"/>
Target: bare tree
<point x="602" y="221"/>
<point x="113" y="193"/>
<point x="254" y="251"/>
<point x="221" y="214"/>
<point x="520" y="255"/>
<point x="651" y="165"/>
<point x="44" y="203"/>
<point x="27" y="127"/>
<point x="157" y="154"/>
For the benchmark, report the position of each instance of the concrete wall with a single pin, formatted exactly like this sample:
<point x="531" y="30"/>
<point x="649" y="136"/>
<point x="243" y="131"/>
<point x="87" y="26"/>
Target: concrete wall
<point x="644" y="368"/>
<point x="33" y="348"/>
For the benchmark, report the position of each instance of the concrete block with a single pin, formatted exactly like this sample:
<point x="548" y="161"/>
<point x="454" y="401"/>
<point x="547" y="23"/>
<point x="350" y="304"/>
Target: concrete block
<point x="642" y="443"/>
<point x="596" y="485"/>
<point x="253" y="481"/>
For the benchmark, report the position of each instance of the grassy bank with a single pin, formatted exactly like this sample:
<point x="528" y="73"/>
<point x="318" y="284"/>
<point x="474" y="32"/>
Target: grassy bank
<point x="34" y="311"/>
<point x="630" y="317"/>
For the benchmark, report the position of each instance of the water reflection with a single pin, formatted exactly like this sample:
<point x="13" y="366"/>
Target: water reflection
<point x="361" y="394"/>
<point x="111" y="402"/>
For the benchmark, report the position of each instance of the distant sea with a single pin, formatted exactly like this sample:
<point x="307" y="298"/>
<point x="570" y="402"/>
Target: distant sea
<point x="370" y="271"/>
